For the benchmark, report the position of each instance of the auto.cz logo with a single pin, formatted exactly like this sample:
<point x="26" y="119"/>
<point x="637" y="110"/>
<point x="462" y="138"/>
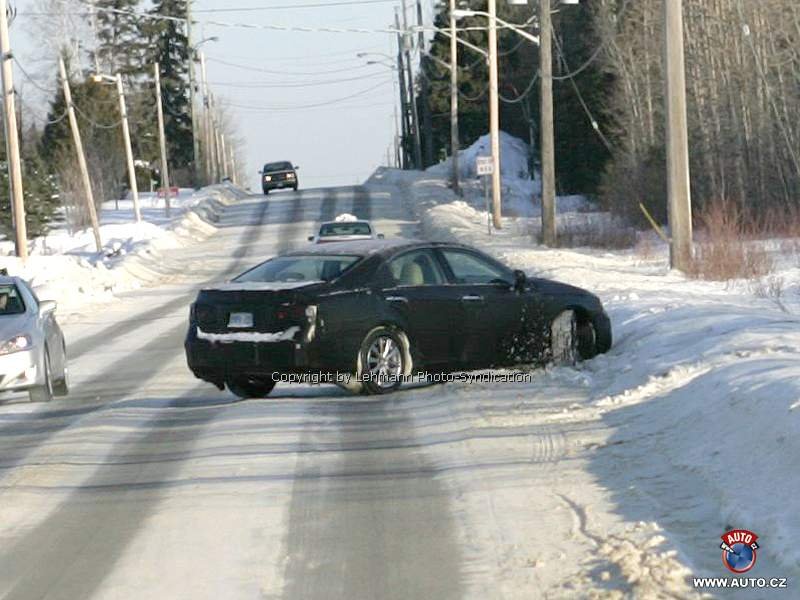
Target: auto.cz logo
<point x="739" y="550"/>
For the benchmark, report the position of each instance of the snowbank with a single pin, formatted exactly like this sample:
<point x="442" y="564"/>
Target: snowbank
<point x="702" y="386"/>
<point x="66" y="267"/>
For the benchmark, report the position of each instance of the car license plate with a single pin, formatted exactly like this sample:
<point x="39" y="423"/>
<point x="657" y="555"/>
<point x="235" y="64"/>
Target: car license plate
<point x="240" y="320"/>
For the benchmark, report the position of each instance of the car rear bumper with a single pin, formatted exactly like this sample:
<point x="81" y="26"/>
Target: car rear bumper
<point x="215" y="361"/>
<point x="20" y="371"/>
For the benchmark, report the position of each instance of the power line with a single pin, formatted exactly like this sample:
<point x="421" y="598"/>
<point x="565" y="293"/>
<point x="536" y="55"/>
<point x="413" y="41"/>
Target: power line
<point x="284" y="85"/>
<point x="290" y="7"/>
<point x="306" y="106"/>
<point x="290" y="73"/>
<point x="30" y="78"/>
<point x="524" y="94"/>
<point x="592" y="120"/>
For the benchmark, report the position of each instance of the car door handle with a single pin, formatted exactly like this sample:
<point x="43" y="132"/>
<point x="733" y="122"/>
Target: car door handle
<point x="472" y="298"/>
<point x="397" y="299"/>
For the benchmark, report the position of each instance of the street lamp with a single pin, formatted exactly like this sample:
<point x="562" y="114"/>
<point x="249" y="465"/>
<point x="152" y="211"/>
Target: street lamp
<point x="394" y="68"/>
<point x="126" y="135"/>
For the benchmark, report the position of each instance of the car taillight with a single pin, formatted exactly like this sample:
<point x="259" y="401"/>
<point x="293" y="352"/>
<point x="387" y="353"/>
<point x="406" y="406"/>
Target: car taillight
<point x="292" y="312"/>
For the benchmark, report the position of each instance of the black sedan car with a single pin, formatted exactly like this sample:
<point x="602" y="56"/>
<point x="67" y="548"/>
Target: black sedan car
<point x="371" y="313"/>
<point x="277" y="175"/>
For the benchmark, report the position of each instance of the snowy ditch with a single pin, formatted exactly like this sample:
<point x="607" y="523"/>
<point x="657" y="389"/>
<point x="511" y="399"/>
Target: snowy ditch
<point x="700" y="395"/>
<point x="65" y="266"/>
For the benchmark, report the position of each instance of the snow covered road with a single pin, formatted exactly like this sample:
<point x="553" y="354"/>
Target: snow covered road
<point x="144" y="483"/>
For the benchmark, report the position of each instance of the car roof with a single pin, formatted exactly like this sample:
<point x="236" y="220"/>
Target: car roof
<point x="344" y="222"/>
<point x="384" y="247"/>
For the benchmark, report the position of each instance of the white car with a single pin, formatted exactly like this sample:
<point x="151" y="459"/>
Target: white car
<point x="33" y="356"/>
<point x="345" y="228"/>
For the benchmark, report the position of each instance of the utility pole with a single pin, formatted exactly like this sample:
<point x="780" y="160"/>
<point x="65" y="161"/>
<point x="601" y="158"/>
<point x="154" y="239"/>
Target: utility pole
<point x="76" y="138"/>
<point x="547" y="142"/>
<point x="224" y="172"/>
<point x="195" y="139"/>
<point x="217" y="151"/>
<point x="425" y="86"/>
<point x="414" y="111"/>
<point x="208" y="150"/>
<point x="494" y="117"/>
<point x="162" y="139"/>
<point x="678" y="188"/>
<point x="401" y="72"/>
<point x="455" y="144"/>
<point x="12" y="139"/>
<point x="126" y="136"/>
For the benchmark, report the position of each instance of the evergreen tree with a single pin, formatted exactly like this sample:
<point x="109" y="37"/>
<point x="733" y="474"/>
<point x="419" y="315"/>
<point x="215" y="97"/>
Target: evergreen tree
<point x="169" y="47"/>
<point x="120" y="40"/>
<point x="580" y="153"/>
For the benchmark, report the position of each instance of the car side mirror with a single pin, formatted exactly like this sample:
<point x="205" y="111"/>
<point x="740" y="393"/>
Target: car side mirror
<point x="296" y="167"/>
<point x="381" y="236"/>
<point x="311" y="238"/>
<point x="520" y="279"/>
<point x="46" y="307"/>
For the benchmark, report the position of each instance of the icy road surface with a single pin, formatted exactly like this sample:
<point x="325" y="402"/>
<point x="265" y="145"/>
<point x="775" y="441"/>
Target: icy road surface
<point x="145" y="483"/>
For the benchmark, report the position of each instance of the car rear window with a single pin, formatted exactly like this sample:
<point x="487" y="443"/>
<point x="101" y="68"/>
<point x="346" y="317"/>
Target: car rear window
<point x="345" y="228"/>
<point x="10" y="300"/>
<point x="278" y="166"/>
<point x="313" y="267"/>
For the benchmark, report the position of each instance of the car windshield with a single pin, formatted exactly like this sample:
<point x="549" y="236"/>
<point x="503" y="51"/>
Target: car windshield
<point x="345" y="228"/>
<point x="299" y="268"/>
<point x="278" y="166"/>
<point x="10" y="300"/>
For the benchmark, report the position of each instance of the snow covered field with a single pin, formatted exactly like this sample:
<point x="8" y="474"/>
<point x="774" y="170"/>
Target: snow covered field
<point x="65" y="265"/>
<point x="690" y="425"/>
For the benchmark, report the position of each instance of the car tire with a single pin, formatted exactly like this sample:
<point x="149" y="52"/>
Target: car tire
<point x="249" y="387"/>
<point x="44" y="392"/>
<point x="587" y="340"/>
<point x="382" y="361"/>
<point x="266" y="192"/>
<point x="564" y="338"/>
<point x="294" y="187"/>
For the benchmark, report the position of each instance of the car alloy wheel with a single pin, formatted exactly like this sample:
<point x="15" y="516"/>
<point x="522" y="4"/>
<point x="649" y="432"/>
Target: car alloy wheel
<point x="382" y="361"/>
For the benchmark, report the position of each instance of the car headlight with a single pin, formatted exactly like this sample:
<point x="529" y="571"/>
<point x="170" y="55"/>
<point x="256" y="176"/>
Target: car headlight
<point x="290" y="176"/>
<point x="267" y="177"/>
<point x="15" y="344"/>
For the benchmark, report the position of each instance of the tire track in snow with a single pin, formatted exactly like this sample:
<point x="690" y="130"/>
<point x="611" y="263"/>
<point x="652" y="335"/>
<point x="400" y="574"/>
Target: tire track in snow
<point x="89" y="343"/>
<point x="64" y="557"/>
<point x="41" y="422"/>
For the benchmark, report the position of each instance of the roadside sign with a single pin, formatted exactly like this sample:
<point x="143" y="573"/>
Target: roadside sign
<point x="484" y="165"/>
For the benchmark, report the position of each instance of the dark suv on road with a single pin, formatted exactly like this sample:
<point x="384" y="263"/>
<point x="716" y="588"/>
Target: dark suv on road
<point x="278" y="175"/>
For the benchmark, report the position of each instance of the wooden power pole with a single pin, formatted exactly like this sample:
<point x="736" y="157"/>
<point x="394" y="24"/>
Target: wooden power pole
<point x="547" y="142"/>
<point x="411" y="94"/>
<point x="76" y="138"/>
<point x="162" y="139"/>
<point x="404" y="112"/>
<point x="126" y="138"/>
<point x="494" y="118"/>
<point x="12" y="139"/>
<point x="425" y="87"/>
<point x="455" y="145"/>
<point x="678" y="188"/>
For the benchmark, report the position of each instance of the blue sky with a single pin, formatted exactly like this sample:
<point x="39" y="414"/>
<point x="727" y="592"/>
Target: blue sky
<point x="266" y="76"/>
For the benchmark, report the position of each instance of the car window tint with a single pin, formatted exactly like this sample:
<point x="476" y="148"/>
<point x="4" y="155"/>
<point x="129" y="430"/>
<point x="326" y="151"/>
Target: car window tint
<point x="416" y="268"/>
<point x="278" y="166"/>
<point x="345" y="228"/>
<point x="300" y="268"/>
<point x="10" y="300"/>
<point x="469" y="268"/>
